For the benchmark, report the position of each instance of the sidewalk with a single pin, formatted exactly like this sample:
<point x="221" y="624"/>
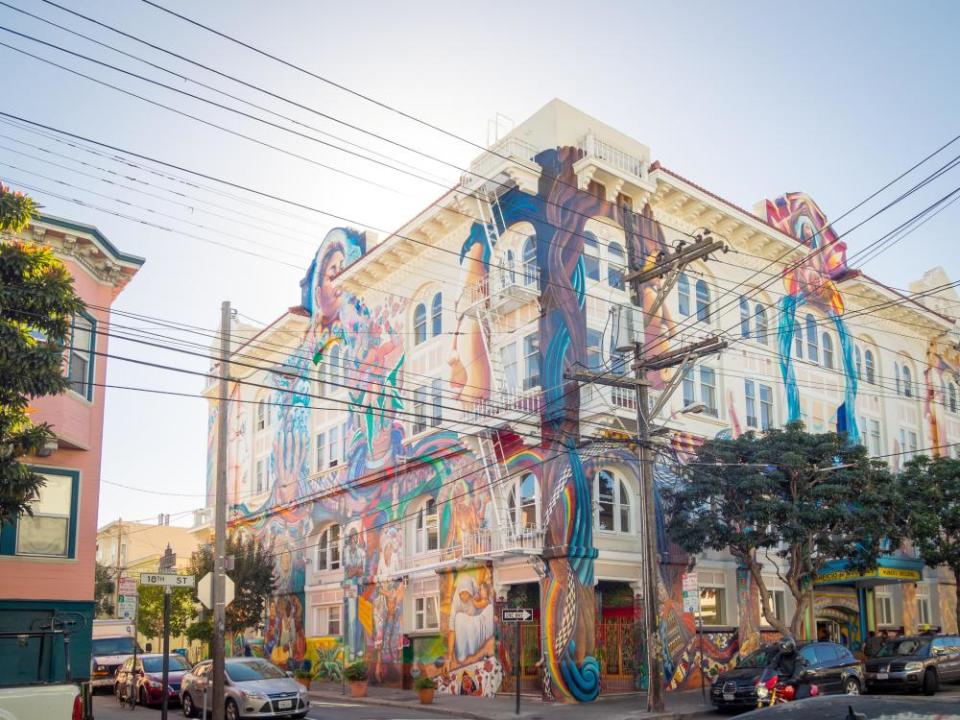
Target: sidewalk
<point x="680" y="705"/>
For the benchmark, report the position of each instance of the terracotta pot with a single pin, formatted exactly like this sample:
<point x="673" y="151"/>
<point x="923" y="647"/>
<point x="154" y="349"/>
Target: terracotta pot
<point x="426" y="695"/>
<point x="358" y="688"/>
<point x="304" y="681"/>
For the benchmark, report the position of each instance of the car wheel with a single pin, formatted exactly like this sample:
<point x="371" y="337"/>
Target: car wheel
<point x="851" y="686"/>
<point x="232" y="711"/>
<point x="187" y="706"/>
<point x="930" y="683"/>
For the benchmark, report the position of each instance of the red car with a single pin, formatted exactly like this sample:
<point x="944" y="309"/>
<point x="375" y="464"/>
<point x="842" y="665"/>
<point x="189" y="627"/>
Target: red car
<point x="149" y="677"/>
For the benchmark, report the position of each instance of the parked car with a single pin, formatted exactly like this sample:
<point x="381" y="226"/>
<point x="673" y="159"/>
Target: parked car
<point x="831" y="667"/>
<point x="255" y="688"/>
<point x="149" y="677"/>
<point x="915" y="663"/>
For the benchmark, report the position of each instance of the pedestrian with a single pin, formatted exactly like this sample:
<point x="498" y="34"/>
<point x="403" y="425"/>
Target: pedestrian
<point x="873" y="644"/>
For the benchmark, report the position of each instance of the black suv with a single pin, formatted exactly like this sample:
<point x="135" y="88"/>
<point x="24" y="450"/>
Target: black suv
<point x="915" y="663"/>
<point x="829" y="666"/>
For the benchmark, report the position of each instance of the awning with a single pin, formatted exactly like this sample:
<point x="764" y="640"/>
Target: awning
<point x="889" y="570"/>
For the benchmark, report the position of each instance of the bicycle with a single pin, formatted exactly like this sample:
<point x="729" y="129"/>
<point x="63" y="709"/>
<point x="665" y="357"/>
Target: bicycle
<point x="127" y="693"/>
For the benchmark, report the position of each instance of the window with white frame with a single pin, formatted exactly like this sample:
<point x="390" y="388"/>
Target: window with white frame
<point x="776" y="599"/>
<point x="419" y="410"/>
<point x="591" y="256"/>
<point x="531" y="361"/>
<point x="924" y="616"/>
<point x="425" y="615"/>
<point x="760" y="324"/>
<point x="508" y="358"/>
<point x="523" y="503"/>
<point x="613" y="502"/>
<point x="907" y="382"/>
<point x="797" y="341"/>
<point x="813" y="345"/>
<point x="529" y="258"/>
<point x="261" y="415"/>
<point x="45" y="530"/>
<point x="827" y="340"/>
<point x="327" y="551"/>
<point x="683" y="294"/>
<point x="858" y="362"/>
<point x="333" y="446"/>
<point x="869" y="367"/>
<point x="689" y="387"/>
<point x="750" y="393"/>
<point x="616" y="265"/>
<point x="80" y="359"/>
<point x="419" y="324"/>
<point x="321" y="449"/>
<point x="708" y="390"/>
<point x="876" y="444"/>
<point x="884" y="607"/>
<point x="713" y="597"/>
<point x="766" y="407"/>
<point x="427" y="527"/>
<point x="594" y="349"/>
<point x="703" y="301"/>
<point x="952" y="397"/>
<point x="260" y="480"/>
<point x="436" y="417"/>
<point x="436" y="315"/>
<point x="327" y="619"/>
<point x="908" y="443"/>
<point x="744" y="317"/>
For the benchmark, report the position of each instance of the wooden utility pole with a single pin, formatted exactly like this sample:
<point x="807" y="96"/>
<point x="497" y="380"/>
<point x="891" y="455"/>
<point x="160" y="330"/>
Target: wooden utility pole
<point x="668" y="267"/>
<point x="220" y="520"/>
<point x="116" y="575"/>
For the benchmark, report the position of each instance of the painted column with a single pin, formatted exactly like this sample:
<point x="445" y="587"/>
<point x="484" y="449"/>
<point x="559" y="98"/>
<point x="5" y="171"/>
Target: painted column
<point x="640" y="661"/>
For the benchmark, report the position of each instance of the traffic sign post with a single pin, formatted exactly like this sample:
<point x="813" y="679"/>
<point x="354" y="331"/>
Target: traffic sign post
<point x="517" y="616"/>
<point x="205" y="590"/>
<point x="127" y="598"/>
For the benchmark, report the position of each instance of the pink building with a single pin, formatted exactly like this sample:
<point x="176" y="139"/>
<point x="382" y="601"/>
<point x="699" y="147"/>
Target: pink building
<point x="47" y="561"/>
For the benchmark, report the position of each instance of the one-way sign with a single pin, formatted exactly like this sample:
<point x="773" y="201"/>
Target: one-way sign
<point x="516" y="615"/>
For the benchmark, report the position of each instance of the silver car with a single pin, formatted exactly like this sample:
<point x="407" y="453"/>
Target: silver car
<point x="255" y="688"/>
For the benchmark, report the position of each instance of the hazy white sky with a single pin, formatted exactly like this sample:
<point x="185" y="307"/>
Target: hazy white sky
<point x="747" y="99"/>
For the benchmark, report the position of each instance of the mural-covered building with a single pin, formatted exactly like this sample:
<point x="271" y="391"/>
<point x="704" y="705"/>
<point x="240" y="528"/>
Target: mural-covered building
<point x="406" y="439"/>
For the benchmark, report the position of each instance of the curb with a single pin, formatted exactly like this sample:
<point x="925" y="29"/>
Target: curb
<point x="453" y="712"/>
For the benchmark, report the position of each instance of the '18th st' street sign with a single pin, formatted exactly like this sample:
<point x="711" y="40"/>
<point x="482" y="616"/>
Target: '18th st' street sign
<point x="167" y="579"/>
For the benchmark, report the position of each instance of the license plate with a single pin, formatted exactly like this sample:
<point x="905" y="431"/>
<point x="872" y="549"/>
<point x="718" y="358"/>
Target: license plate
<point x="882" y="676"/>
<point x="729" y="697"/>
<point x="285" y="704"/>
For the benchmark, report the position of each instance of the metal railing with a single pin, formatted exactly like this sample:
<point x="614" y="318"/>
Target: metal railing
<point x="524" y="278"/>
<point x="508" y="147"/>
<point x="613" y="156"/>
<point x="490" y="541"/>
<point x="503" y="402"/>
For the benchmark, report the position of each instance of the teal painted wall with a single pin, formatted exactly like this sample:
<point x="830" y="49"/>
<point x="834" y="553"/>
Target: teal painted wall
<point x="30" y="660"/>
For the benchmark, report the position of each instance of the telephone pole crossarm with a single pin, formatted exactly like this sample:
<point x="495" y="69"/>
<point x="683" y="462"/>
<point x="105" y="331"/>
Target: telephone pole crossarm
<point x="695" y="251"/>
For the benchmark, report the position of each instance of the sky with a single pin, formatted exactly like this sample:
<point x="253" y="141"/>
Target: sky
<point x="749" y="100"/>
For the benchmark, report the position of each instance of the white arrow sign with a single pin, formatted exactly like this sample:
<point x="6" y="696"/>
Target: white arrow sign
<point x="516" y="615"/>
<point x="205" y="590"/>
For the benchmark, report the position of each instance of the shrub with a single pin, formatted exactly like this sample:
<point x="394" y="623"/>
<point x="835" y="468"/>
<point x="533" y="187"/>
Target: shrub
<point x="424" y="683"/>
<point x="357" y="672"/>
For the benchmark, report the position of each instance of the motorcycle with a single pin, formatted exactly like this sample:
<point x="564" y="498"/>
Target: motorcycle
<point x="771" y="691"/>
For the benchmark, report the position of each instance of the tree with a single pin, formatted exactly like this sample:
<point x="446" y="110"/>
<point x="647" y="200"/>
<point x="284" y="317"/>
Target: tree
<point x="103" y="591"/>
<point x="930" y="493"/>
<point x="253" y="577"/>
<point x="37" y="303"/>
<point x="796" y="498"/>
<point x="150" y="610"/>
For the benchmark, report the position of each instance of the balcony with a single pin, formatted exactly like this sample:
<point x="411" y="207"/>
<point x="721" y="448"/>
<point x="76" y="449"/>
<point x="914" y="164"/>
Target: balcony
<point x="505" y="406"/>
<point x="618" y="170"/>
<point x="503" y="290"/>
<point x="506" y="541"/>
<point x="510" y="158"/>
<point x="603" y="399"/>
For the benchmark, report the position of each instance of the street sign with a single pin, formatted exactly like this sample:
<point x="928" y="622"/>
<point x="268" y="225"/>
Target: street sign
<point x="516" y="615"/>
<point x="205" y="590"/>
<point x="127" y="598"/>
<point x="691" y="593"/>
<point x="167" y="579"/>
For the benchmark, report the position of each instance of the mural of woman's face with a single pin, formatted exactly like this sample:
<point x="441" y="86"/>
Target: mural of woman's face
<point x="327" y="295"/>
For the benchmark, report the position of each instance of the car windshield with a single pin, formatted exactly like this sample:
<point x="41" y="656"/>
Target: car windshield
<point x="903" y="648"/>
<point x="155" y="664"/>
<point x="113" y="646"/>
<point x="757" y="659"/>
<point x="253" y="670"/>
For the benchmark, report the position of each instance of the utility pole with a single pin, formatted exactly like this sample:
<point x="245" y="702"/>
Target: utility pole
<point x="167" y="564"/>
<point x="220" y="519"/>
<point x="668" y="266"/>
<point x="116" y="575"/>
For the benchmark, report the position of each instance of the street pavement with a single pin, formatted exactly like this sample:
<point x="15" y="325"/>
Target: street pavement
<point x="335" y="708"/>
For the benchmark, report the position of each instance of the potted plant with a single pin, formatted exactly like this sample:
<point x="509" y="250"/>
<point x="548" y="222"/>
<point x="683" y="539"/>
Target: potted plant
<point x="356" y="675"/>
<point x="426" y="687"/>
<point x="303" y="677"/>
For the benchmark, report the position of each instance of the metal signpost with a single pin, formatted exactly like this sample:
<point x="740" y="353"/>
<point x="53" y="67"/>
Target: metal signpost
<point x="517" y="616"/>
<point x="691" y="604"/>
<point x="127" y="598"/>
<point x="166" y="580"/>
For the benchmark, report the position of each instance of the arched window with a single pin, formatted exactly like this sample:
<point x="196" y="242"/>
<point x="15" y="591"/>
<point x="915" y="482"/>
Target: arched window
<point x="907" y="382"/>
<point x="868" y="366"/>
<point x="419" y="324"/>
<point x="896" y="376"/>
<point x="436" y="315"/>
<point x="615" y="266"/>
<point x="797" y="340"/>
<point x="328" y="549"/>
<point x="744" y="317"/>
<point x="510" y="266"/>
<point x="827" y="351"/>
<point x="760" y="323"/>
<point x="813" y="352"/>
<point x="529" y="258"/>
<point x="858" y="362"/>
<point x="614" y="509"/>
<point x="524" y="504"/>
<point x="703" y="301"/>
<point x="952" y="397"/>
<point x="427" y="528"/>
<point x="262" y="415"/>
<point x="683" y="294"/>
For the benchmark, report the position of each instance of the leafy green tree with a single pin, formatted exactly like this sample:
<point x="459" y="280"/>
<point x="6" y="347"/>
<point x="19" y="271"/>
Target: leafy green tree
<point x="797" y="498"/>
<point x="150" y="611"/>
<point x="930" y="491"/>
<point x="254" y="579"/>
<point x="37" y="302"/>
<point x="104" y="590"/>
